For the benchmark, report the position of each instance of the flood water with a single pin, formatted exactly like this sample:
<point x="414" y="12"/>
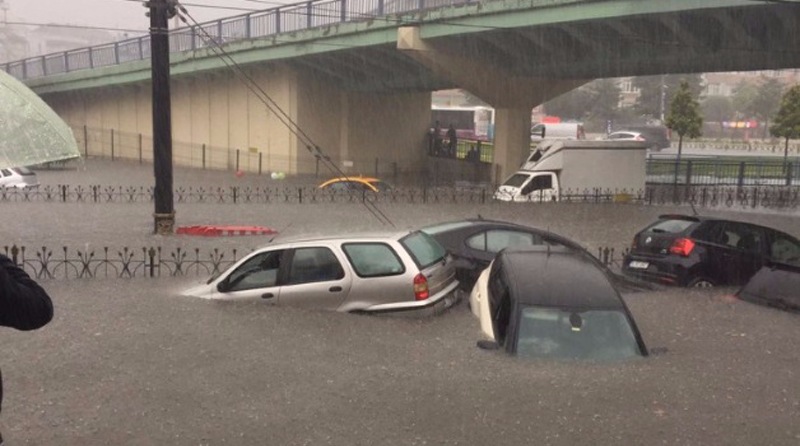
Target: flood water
<point x="129" y="361"/>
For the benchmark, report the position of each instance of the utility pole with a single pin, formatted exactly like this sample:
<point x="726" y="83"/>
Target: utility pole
<point x="663" y="99"/>
<point x="160" y="13"/>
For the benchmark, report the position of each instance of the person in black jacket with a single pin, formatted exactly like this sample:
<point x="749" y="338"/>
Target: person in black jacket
<point x="24" y="304"/>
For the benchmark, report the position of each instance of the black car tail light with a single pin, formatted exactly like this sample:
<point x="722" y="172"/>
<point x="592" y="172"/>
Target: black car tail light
<point x="682" y="247"/>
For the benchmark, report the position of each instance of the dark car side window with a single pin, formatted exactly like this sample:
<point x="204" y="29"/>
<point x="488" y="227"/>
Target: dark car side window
<point x="784" y="249"/>
<point x="740" y="236"/>
<point x="495" y="240"/>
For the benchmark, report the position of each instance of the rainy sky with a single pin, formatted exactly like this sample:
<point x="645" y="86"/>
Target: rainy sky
<point x="123" y="14"/>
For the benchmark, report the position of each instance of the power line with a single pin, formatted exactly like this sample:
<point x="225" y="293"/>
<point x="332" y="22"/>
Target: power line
<point x="198" y="5"/>
<point x="282" y="116"/>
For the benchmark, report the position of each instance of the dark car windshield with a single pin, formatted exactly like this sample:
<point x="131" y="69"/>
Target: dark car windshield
<point x="566" y="334"/>
<point x="423" y="248"/>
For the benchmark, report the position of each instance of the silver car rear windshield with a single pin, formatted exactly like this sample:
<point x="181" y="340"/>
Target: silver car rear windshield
<point x="600" y="335"/>
<point x="423" y="249"/>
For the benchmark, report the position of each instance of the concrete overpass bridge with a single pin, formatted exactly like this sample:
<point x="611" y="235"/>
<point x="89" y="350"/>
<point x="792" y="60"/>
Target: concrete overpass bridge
<point x="356" y="75"/>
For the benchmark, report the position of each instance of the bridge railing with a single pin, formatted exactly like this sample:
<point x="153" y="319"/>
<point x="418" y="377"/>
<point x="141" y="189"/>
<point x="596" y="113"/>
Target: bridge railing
<point x="270" y="22"/>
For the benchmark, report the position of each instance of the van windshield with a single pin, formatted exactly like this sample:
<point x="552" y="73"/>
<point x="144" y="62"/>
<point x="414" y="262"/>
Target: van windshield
<point x="517" y="180"/>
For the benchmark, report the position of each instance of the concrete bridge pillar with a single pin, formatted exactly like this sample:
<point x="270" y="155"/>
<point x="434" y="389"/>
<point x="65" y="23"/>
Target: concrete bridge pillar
<point x="512" y="139"/>
<point x="512" y="96"/>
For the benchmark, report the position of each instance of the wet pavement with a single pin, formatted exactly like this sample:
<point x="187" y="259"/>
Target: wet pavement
<point x="131" y="362"/>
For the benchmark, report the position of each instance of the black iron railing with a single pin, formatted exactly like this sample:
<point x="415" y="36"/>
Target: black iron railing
<point x="69" y="263"/>
<point x="703" y="196"/>
<point x="47" y="263"/>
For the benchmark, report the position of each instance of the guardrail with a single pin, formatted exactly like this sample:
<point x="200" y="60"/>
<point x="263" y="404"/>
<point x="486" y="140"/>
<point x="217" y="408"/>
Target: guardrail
<point x="269" y="22"/>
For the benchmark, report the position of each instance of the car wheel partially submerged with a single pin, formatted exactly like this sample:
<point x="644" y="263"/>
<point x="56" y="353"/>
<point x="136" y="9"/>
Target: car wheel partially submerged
<point x="701" y="282"/>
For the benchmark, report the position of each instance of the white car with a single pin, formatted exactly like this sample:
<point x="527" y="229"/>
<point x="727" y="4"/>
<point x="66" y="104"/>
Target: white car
<point x="18" y="177"/>
<point x="479" y="303"/>
<point x="626" y="136"/>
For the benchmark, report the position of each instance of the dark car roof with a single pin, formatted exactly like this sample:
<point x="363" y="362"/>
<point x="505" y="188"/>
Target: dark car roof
<point x="774" y="285"/>
<point x="458" y="225"/>
<point x="701" y="218"/>
<point x="546" y="276"/>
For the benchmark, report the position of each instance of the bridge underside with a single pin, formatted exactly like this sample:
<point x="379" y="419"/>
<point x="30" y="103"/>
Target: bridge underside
<point x="584" y="45"/>
<point x="513" y="54"/>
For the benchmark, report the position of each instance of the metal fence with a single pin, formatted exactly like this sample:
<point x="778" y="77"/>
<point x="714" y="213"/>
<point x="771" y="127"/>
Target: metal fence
<point x="119" y="145"/>
<point x="706" y="172"/>
<point x="269" y="22"/>
<point x="69" y="263"/>
<point x="774" y="197"/>
<point x="151" y="262"/>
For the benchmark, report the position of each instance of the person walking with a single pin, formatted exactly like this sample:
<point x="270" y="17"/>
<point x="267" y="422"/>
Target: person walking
<point x="24" y="304"/>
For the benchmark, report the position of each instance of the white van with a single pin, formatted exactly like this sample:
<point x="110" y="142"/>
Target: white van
<point x="561" y="130"/>
<point x="566" y="167"/>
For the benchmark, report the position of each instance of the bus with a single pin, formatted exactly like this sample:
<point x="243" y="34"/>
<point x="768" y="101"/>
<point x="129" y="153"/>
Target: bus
<point x="470" y="122"/>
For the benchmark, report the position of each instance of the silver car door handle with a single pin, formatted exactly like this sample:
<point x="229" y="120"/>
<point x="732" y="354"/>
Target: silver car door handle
<point x="335" y="289"/>
<point x="267" y="296"/>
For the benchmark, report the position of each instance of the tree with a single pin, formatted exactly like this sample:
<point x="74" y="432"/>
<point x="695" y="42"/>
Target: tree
<point x="743" y="95"/>
<point x="605" y="94"/>
<point x="787" y="122"/>
<point x="574" y="104"/>
<point x="767" y="101"/>
<point x="594" y="103"/>
<point x="649" y="103"/>
<point x="717" y="109"/>
<point x="684" y="118"/>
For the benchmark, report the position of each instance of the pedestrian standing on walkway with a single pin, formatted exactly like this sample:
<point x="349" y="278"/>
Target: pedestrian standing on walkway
<point x="452" y="140"/>
<point x="437" y="139"/>
<point x="24" y="304"/>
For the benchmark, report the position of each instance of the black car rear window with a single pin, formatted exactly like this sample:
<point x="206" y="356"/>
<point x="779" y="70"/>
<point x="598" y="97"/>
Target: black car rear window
<point x="671" y="226"/>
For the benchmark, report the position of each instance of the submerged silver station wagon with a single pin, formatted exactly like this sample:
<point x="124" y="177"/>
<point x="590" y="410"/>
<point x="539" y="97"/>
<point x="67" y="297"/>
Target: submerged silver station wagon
<point x="364" y="273"/>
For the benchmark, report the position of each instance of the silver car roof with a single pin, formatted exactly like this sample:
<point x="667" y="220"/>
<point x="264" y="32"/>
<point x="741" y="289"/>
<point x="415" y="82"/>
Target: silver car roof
<point x="354" y="237"/>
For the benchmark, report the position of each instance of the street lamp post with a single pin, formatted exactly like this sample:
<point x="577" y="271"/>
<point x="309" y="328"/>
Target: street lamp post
<point x="164" y="214"/>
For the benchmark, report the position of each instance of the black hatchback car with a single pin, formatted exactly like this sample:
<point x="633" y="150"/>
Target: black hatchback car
<point x="699" y="251"/>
